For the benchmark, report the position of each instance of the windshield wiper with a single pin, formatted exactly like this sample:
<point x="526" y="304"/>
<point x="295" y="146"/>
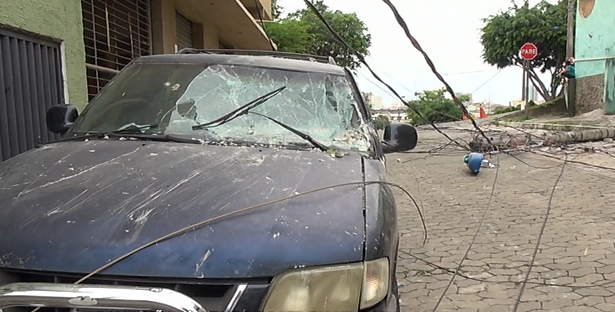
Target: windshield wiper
<point x="300" y="134"/>
<point x="156" y="137"/>
<point x="130" y="133"/>
<point x="242" y="110"/>
<point x="132" y="128"/>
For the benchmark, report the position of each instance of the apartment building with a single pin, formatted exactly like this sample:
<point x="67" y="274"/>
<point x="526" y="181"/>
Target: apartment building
<point x="375" y="101"/>
<point x="65" y="51"/>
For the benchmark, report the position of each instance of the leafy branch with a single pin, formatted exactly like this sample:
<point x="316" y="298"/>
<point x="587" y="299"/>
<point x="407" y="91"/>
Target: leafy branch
<point x="544" y="25"/>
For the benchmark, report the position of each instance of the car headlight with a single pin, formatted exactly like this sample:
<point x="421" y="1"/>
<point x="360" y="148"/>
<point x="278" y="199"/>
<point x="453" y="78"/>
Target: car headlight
<point x="348" y="287"/>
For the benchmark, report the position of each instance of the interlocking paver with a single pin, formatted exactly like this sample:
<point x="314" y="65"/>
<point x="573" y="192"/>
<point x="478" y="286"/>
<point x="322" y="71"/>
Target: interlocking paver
<point x="575" y="265"/>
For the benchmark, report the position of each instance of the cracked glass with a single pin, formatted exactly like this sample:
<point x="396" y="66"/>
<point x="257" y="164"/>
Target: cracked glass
<point x="176" y="97"/>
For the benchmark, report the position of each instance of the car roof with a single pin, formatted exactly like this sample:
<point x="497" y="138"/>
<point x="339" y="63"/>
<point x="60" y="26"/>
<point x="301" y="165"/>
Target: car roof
<point x="267" y="61"/>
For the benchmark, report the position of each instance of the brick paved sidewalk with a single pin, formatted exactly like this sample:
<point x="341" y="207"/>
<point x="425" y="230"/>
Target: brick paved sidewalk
<point x="576" y="256"/>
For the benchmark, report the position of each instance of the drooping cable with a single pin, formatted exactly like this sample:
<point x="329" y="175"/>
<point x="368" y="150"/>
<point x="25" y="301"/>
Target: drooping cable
<point x="362" y="61"/>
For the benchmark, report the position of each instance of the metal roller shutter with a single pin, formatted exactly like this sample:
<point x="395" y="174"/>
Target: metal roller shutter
<point x="184" y="32"/>
<point x="115" y="32"/>
<point x="31" y="82"/>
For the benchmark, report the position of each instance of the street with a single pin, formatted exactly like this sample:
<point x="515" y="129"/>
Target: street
<point x="574" y="269"/>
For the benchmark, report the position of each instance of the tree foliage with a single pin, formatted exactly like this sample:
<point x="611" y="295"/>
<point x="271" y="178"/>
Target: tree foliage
<point x="506" y="109"/>
<point x="381" y="121"/>
<point x="276" y="9"/>
<point x="290" y="35"/>
<point x="436" y="107"/>
<point x="544" y="25"/>
<point x="303" y="32"/>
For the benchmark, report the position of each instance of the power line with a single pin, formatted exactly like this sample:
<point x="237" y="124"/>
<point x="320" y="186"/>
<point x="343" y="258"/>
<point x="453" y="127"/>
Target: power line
<point x="402" y="23"/>
<point x="486" y="82"/>
<point x="361" y="58"/>
<point x="388" y="92"/>
<point x="480" y="225"/>
<point x="465" y="73"/>
<point x="540" y="234"/>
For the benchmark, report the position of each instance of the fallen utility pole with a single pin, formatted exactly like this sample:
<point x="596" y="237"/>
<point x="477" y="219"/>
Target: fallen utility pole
<point x="507" y="141"/>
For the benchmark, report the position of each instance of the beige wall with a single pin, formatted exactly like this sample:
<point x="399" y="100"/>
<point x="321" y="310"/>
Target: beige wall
<point x="227" y="21"/>
<point x="60" y="20"/>
<point x="265" y="4"/>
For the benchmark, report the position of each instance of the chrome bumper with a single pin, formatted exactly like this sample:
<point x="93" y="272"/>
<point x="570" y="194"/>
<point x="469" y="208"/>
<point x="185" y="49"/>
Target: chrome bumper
<point x="95" y="297"/>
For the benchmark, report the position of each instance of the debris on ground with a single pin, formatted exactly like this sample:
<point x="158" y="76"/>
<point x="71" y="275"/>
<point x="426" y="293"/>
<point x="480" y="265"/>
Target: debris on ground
<point x="474" y="161"/>
<point x="487" y="164"/>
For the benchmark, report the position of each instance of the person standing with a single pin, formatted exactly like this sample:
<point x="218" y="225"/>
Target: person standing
<point x="569" y="71"/>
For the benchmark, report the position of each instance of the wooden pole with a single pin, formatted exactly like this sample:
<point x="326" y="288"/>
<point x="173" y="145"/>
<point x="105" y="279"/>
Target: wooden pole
<point x="570" y="37"/>
<point x="572" y="4"/>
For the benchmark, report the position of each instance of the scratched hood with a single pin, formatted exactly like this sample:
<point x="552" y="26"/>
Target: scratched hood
<point x="74" y="206"/>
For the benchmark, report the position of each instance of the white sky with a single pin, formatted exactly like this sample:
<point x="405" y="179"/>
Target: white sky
<point x="448" y="30"/>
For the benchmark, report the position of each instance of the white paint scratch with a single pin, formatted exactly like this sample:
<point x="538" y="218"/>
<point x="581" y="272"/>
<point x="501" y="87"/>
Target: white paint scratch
<point x="197" y="272"/>
<point x="77" y="174"/>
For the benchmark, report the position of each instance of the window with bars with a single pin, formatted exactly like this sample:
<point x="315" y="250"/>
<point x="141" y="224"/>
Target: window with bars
<point x="115" y="32"/>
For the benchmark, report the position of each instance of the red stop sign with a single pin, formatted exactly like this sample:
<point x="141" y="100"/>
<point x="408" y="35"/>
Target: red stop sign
<point x="529" y="51"/>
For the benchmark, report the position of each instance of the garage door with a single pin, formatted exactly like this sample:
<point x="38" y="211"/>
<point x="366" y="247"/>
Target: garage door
<point x="115" y="32"/>
<point x="31" y="81"/>
<point x="184" y="32"/>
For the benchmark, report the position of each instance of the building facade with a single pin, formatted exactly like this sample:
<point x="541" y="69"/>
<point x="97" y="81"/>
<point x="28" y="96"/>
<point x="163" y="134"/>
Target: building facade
<point x="398" y="112"/>
<point x="595" y="56"/>
<point x="375" y="101"/>
<point x="65" y="51"/>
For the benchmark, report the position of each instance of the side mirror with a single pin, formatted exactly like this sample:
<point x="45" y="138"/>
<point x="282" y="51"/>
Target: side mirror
<point x="61" y="117"/>
<point x="399" y="137"/>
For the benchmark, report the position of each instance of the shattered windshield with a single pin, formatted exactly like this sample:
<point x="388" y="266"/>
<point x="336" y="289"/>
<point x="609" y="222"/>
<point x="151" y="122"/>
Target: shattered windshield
<point x="176" y="97"/>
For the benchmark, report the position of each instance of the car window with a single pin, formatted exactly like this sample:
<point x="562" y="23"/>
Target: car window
<point x="179" y="96"/>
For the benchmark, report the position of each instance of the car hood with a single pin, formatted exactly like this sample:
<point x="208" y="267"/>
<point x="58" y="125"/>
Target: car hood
<point x="75" y="206"/>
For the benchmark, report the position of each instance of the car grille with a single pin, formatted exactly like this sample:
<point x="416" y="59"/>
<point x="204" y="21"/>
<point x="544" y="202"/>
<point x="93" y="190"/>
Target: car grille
<point x="214" y="296"/>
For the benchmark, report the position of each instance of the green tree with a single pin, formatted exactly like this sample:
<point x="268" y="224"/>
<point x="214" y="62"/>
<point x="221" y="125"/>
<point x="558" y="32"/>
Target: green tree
<point x="303" y="32"/>
<point x="436" y="107"/>
<point x="276" y="9"/>
<point x="507" y="109"/>
<point x="290" y="35"/>
<point x="381" y="121"/>
<point x="544" y="25"/>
